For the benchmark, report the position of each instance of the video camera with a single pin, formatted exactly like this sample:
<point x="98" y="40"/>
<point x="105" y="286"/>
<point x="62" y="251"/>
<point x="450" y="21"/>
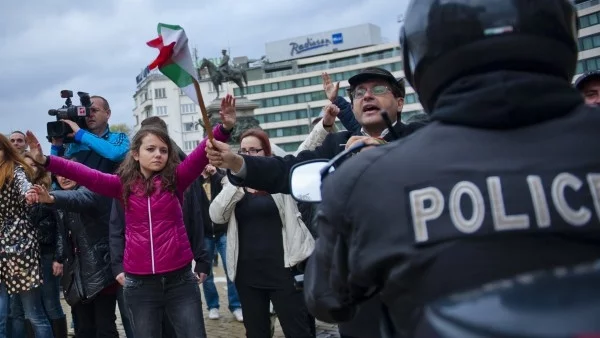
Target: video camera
<point x="77" y="114"/>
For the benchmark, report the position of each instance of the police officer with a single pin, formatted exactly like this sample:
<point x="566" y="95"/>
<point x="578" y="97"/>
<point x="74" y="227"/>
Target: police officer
<point x="503" y="181"/>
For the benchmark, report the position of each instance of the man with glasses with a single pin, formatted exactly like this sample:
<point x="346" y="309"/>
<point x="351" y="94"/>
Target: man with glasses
<point x="96" y="146"/>
<point x="372" y="91"/>
<point x="17" y="139"/>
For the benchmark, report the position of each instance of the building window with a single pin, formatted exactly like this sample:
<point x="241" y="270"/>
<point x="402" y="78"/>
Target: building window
<point x="289" y="147"/>
<point x="181" y="92"/>
<point x="187" y="108"/>
<point x="586" y="65"/>
<point x="190" y="127"/>
<point x="589" y="20"/>
<point x="287" y="131"/>
<point x="160" y="110"/>
<point x="211" y="88"/>
<point x="143" y="96"/>
<point x="589" y="42"/>
<point x="160" y="93"/>
<point x="190" y="145"/>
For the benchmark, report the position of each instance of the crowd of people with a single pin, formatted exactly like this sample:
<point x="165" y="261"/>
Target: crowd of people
<point x="501" y="180"/>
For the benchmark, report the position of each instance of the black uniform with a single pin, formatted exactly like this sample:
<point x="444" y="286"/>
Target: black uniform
<point x="506" y="179"/>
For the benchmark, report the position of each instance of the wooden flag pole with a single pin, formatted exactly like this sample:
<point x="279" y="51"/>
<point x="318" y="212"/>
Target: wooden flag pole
<point x="203" y="112"/>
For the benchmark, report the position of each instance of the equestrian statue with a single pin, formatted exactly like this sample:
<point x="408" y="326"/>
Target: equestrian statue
<point x="225" y="73"/>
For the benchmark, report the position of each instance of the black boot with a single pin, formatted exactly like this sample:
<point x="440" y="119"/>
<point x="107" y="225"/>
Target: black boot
<point x="29" y="333"/>
<point x="59" y="327"/>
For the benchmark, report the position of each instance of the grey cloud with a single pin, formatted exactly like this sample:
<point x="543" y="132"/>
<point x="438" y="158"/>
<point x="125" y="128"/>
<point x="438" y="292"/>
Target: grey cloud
<point x="99" y="46"/>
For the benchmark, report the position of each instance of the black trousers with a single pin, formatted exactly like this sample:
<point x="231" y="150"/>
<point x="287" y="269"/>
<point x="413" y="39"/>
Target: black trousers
<point x="289" y="305"/>
<point x="97" y="318"/>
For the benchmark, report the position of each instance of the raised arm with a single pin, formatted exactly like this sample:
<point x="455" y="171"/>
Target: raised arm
<point x="193" y="165"/>
<point x="101" y="183"/>
<point x="79" y="200"/>
<point x="104" y="184"/>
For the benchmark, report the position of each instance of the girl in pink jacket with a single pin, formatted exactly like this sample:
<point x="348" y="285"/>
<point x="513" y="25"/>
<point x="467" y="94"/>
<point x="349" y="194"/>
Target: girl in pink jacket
<point x="157" y="259"/>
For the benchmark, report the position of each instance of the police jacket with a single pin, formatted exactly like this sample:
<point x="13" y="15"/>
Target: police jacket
<point x="505" y="180"/>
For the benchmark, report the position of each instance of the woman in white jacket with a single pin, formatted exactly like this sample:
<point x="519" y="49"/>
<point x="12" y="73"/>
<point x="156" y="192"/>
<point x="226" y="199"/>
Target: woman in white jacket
<point x="266" y="239"/>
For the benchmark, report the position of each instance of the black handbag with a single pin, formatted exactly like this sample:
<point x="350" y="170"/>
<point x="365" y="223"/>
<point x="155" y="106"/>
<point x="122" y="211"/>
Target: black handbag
<point x="71" y="282"/>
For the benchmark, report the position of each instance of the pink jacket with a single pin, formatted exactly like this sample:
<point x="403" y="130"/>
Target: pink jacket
<point x="155" y="237"/>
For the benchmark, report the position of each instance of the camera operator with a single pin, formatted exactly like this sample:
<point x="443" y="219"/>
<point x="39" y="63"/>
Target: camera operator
<point x="96" y="146"/>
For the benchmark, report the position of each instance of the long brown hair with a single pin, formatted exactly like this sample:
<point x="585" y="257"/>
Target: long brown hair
<point x="41" y="176"/>
<point x="130" y="173"/>
<point x="11" y="158"/>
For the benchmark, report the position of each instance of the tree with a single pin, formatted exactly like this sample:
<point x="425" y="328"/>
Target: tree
<point x="121" y="128"/>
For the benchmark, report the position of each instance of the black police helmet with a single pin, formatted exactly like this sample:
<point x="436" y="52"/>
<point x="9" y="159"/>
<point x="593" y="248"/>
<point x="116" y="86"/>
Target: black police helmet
<point x="444" y="40"/>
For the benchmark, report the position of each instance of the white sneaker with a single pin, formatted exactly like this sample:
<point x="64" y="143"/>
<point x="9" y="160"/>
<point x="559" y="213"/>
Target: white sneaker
<point x="213" y="314"/>
<point x="237" y="313"/>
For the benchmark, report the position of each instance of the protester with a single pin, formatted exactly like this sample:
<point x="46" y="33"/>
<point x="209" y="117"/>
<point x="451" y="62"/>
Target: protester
<point x="20" y="271"/>
<point x="266" y="239"/>
<point x="157" y="259"/>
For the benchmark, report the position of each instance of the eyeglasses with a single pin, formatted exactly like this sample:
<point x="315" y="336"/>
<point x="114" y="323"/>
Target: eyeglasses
<point x="377" y="90"/>
<point x="250" y="151"/>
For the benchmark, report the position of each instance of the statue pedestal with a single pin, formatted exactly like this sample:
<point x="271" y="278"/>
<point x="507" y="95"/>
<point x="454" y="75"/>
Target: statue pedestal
<point x="245" y="117"/>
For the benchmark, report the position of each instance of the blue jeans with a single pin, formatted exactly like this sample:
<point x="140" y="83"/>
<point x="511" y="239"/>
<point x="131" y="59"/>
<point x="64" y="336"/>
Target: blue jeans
<point x="4" y="305"/>
<point x="50" y="290"/>
<point x="176" y="294"/>
<point x="33" y="308"/>
<point x="50" y="294"/>
<point x="210" y="291"/>
<point x="124" y="316"/>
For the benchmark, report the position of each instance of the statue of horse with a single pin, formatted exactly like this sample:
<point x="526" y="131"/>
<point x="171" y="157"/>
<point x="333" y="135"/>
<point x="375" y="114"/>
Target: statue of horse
<point x="237" y="75"/>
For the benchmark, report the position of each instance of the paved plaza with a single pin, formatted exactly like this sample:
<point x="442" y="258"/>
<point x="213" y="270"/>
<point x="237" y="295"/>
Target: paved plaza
<point x="227" y="326"/>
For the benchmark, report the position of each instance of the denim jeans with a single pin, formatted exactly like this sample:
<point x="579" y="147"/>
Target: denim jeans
<point x="210" y="291"/>
<point x="124" y="314"/>
<point x="33" y="309"/>
<point x="175" y="294"/>
<point x="50" y="290"/>
<point x="16" y="317"/>
<point x="4" y="305"/>
<point x="50" y="294"/>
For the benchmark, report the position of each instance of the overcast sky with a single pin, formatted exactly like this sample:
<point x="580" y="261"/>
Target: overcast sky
<point x="99" y="46"/>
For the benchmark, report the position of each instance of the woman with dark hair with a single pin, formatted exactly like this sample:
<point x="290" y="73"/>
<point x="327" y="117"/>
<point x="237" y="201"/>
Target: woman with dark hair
<point x="20" y="271"/>
<point x="266" y="239"/>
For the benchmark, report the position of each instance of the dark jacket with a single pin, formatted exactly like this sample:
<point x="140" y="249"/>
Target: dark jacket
<point x="211" y="229"/>
<point x="271" y="174"/>
<point x="192" y="217"/>
<point x="83" y="218"/>
<point x="278" y="168"/>
<point x="494" y="136"/>
<point x="50" y="238"/>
